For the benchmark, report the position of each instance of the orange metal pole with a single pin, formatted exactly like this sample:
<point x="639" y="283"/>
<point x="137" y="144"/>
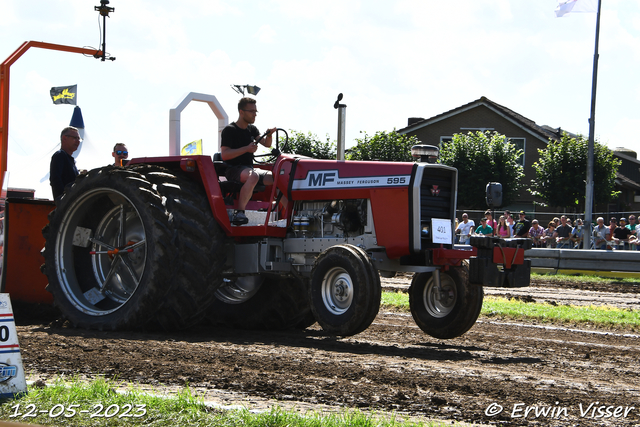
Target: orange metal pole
<point x="4" y="90"/>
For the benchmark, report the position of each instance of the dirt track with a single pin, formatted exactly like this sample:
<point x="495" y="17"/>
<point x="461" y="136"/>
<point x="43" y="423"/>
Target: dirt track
<point x="570" y="372"/>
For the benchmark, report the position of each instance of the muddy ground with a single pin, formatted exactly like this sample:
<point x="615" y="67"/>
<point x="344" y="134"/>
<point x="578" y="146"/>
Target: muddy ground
<point x="500" y="372"/>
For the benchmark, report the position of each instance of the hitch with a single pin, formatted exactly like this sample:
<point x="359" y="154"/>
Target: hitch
<point x="492" y="252"/>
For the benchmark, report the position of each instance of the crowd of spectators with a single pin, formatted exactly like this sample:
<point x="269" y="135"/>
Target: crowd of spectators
<point x="560" y="233"/>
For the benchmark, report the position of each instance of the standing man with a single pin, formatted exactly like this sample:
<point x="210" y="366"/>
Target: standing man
<point x="465" y="228"/>
<point x="621" y="234"/>
<point x="521" y="228"/>
<point x="240" y="140"/>
<point x="601" y="234"/>
<point x="632" y="227"/>
<point x="577" y="235"/>
<point x="563" y="234"/>
<point x="120" y="154"/>
<point x="63" y="170"/>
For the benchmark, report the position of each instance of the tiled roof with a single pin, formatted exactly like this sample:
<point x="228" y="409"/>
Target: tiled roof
<point x="543" y="132"/>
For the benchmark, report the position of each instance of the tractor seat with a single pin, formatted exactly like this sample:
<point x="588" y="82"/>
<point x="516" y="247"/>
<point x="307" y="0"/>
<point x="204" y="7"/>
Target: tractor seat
<point x="230" y="188"/>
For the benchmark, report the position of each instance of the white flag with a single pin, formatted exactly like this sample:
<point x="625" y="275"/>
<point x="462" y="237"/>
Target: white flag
<point x="568" y="6"/>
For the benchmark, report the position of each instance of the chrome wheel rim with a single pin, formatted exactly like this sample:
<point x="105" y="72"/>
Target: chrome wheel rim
<point x="440" y="303"/>
<point x="113" y="252"/>
<point x="337" y="291"/>
<point x="239" y="290"/>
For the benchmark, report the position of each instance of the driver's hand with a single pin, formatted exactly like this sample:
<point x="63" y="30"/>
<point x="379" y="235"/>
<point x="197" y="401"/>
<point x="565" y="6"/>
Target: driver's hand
<point x="251" y="148"/>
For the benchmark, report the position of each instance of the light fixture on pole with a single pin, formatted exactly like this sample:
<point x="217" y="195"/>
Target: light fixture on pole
<point x="252" y="90"/>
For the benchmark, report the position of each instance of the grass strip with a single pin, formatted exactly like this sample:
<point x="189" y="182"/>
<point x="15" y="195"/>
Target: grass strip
<point x="545" y="312"/>
<point x="61" y="403"/>
<point x="604" y="316"/>
<point x="579" y="278"/>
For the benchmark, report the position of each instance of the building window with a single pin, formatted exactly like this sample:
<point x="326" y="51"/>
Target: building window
<point x="519" y="143"/>
<point x="445" y="139"/>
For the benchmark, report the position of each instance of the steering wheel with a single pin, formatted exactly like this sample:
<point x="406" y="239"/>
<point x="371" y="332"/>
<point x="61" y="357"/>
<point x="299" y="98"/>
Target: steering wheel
<point x="275" y="152"/>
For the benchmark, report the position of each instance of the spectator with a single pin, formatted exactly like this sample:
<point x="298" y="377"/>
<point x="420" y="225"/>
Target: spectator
<point x="556" y="221"/>
<point x="63" y="170"/>
<point x="464" y="229"/>
<point x="490" y="221"/>
<point x="547" y="237"/>
<point x="521" y="228"/>
<point x="601" y="235"/>
<point x="621" y="234"/>
<point x="632" y="226"/>
<point x="563" y="234"/>
<point x="613" y="224"/>
<point x="120" y="153"/>
<point x="637" y="238"/>
<point x="484" y="229"/>
<point x="509" y="219"/>
<point x="536" y="233"/>
<point x="577" y="235"/>
<point x="503" y="231"/>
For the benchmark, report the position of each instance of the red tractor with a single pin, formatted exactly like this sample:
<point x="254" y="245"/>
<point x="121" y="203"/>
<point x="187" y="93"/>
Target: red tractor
<point x="151" y="245"/>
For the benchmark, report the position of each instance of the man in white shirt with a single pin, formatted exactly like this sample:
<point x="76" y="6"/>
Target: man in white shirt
<point x="465" y="227"/>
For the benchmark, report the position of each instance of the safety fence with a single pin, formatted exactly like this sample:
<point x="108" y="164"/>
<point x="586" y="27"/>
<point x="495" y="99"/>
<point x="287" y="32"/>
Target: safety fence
<point x="595" y="260"/>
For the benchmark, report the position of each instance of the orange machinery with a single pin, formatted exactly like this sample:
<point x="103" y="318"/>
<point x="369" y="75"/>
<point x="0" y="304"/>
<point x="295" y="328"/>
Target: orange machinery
<point x="24" y="218"/>
<point x="23" y="241"/>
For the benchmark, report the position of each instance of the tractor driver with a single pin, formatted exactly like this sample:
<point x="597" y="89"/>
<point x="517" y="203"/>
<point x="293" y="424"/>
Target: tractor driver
<point x="239" y="142"/>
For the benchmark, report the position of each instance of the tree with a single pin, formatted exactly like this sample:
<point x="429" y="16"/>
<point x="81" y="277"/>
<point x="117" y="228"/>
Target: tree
<point x="482" y="158"/>
<point x="387" y="146"/>
<point x="309" y="145"/>
<point x="561" y="173"/>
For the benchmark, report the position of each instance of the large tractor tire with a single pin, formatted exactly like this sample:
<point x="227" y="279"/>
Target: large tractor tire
<point x="376" y="291"/>
<point x="345" y="290"/>
<point x="450" y="312"/>
<point x="108" y="254"/>
<point x="261" y="303"/>
<point x="198" y="239"/>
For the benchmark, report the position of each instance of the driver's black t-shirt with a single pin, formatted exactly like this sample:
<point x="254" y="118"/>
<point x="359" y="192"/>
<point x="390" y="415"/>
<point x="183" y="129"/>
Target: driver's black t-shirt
<point x="236" y="137"/>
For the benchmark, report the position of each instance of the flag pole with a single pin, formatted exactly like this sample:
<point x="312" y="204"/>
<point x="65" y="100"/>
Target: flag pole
<point x="588" y="204"/>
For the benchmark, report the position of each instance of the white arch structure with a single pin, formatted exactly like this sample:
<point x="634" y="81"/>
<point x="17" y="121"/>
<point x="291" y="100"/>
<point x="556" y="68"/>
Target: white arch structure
<point x="174" y="118"/>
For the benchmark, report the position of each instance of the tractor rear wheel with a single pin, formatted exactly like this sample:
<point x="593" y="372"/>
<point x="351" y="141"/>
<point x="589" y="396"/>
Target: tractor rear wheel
<point x="448" y="312"/>
<point x="108" y="253"/>
<point x="345" y="290"/>
<point x="199" y="242"/>
<point x="262" y="303"/>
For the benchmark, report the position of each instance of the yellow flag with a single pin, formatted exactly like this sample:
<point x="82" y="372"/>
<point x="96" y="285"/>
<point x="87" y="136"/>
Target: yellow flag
<point x="192" y="149"/>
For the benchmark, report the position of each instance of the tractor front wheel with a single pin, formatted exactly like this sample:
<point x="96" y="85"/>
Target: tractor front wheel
<point x="344" y="292"/>
<point x="448" y="311"/>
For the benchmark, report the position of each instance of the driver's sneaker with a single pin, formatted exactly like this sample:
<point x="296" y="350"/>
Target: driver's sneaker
<point x="239" y="218"/>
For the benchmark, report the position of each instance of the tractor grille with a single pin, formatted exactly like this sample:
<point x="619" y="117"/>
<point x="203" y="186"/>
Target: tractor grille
<point x="437" y="198"/>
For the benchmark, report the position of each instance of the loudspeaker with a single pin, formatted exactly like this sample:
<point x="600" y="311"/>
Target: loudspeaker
<point x="494" y="194"/>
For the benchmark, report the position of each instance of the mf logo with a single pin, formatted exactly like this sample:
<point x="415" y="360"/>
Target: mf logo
<point x="321" y="178"/>
<point x="435" y="191"/>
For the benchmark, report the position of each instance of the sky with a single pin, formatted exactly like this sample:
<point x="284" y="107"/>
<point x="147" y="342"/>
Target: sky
<point x="391" y="59"/>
